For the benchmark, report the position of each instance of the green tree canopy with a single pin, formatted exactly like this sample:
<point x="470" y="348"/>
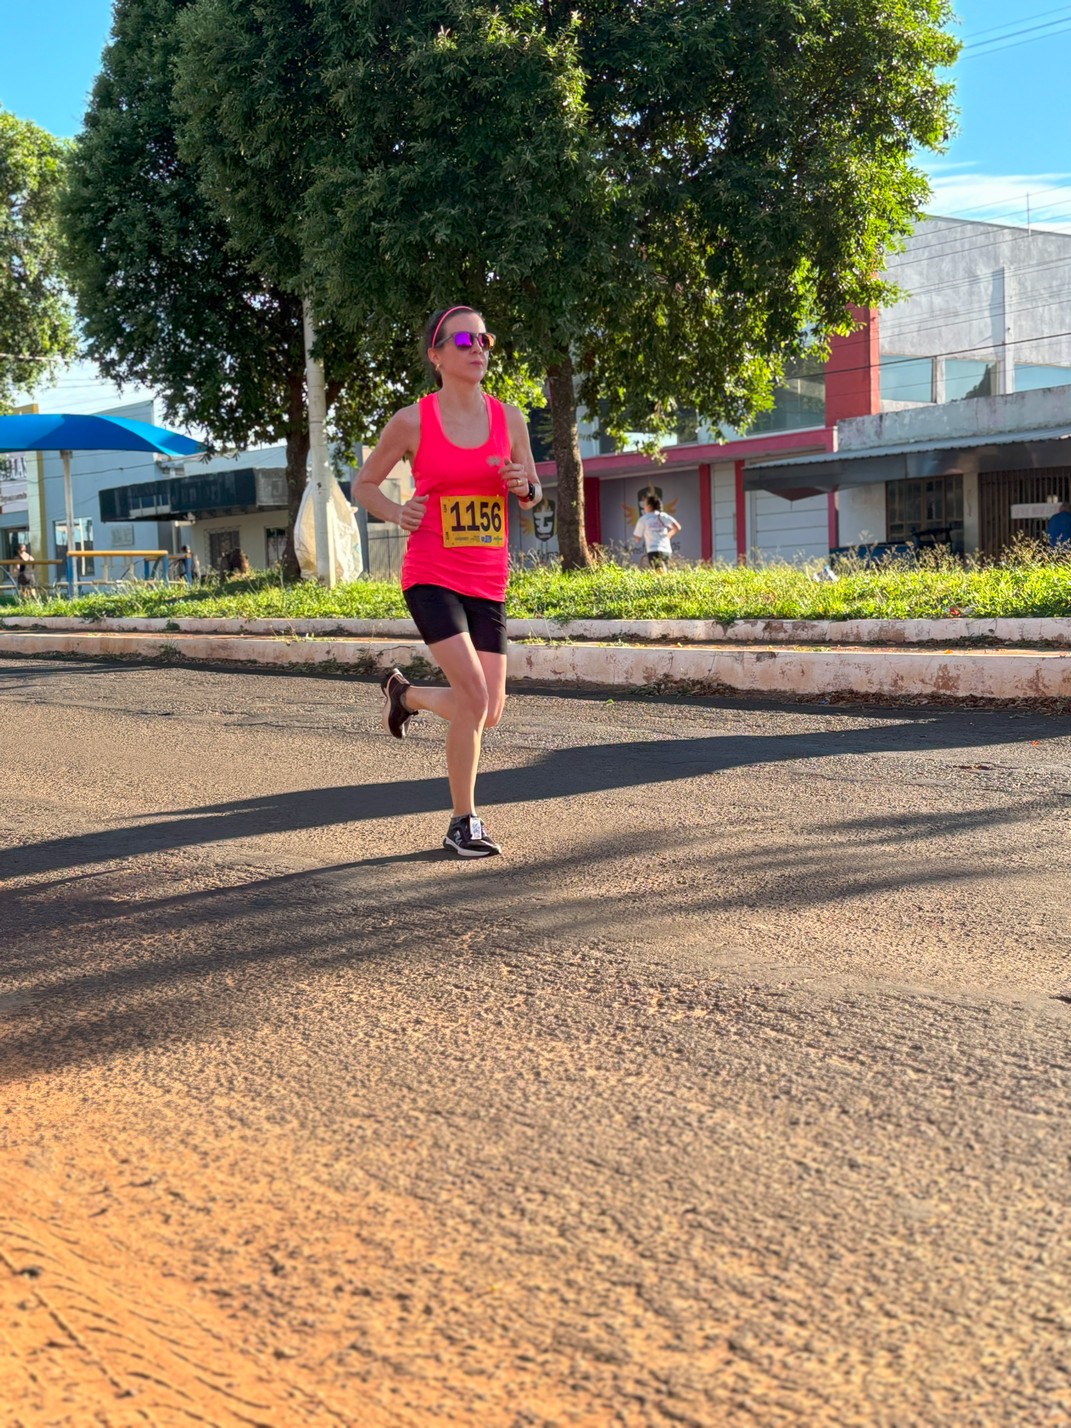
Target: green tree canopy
<point x="169" y="295"/>
<point x="35" y="317"/>
<point x="259" y="123"/>
<point x="661" y="202"/>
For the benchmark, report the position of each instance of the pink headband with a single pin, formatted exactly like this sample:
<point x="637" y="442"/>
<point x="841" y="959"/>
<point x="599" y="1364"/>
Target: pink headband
<point x="461" y="307"/>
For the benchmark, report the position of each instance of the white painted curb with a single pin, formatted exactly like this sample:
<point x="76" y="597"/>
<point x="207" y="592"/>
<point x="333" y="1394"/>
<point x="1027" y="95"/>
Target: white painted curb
<point x="1055" y="631"/>
<point x="892" y="673"/>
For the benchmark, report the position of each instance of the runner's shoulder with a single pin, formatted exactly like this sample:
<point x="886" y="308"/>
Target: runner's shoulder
<point x="402" y="431"/>
<point x="405" y="420"/>
<point x="516" y="422"/>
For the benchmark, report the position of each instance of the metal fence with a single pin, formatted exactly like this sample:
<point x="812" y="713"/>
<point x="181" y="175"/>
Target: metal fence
<point x="385" y="546"/>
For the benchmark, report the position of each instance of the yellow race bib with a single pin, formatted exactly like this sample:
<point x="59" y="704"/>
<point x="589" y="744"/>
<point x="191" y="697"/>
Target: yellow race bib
<point x="473" y="520"/>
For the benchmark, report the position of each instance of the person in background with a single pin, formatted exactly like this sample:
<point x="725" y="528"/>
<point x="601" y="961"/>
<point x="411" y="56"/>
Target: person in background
<point x="24" y="576"/>
<point x="656" y="529"/>
<point x="236" y="562"/>
<point x="187" y="565"/>
<point x="1058" y="529"/>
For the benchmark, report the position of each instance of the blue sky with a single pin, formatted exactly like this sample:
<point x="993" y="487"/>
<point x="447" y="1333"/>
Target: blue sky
<point x="1012" y="93"/>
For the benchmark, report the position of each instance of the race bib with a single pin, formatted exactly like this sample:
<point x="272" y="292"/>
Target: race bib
<point x="473" y="520"/>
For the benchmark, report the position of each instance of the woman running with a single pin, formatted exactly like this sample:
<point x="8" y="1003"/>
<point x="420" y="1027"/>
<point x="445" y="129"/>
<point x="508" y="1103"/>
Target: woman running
<point x="469" y="452"/>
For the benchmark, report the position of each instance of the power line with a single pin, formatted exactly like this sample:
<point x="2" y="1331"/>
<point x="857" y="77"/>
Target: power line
<point x="943" y="244"/>
<point x="1011" y="44"/>
<point x="998" y="41"/>
<point x="1056" y="10"/>
<point x="1011" y="212"/>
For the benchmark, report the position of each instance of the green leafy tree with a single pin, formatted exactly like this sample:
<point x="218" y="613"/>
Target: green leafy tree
<point x="471" y="177"/>
<point x="258" y="122"/>
<point x="660" y="203"/>
<point x="36" y="331"/>
<point x="168" y="294"/>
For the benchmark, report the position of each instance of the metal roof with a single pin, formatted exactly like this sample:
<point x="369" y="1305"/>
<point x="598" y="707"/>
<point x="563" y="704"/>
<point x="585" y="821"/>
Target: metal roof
<point x="802" y="476"/>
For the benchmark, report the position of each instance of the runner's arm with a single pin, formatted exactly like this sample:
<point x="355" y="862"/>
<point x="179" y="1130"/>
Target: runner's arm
<point x="521" y="454"/>
<point x="397" y="442"/>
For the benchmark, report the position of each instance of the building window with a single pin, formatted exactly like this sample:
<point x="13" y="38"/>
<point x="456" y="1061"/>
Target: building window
<point x="275" y="545"/>
<point x="907" y="379"/>
<point x="799" y="401"/>
<point x="83" y="540"/>
<point x="968" y="378"/>
<point x="220" y="545"/>
<point x="1029" y="376"/>
<point x="915" y="508"/>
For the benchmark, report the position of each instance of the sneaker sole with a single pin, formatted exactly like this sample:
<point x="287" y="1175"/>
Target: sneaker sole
<point x="384" y="719"/>
<point x="468" y="852"/>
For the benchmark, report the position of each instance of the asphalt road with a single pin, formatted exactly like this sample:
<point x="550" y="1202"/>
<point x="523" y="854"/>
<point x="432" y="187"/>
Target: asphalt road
<point x="735" y="1092"/>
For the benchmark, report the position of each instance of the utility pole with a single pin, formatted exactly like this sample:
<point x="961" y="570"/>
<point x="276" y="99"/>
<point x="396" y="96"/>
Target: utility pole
<point x="320" y="476"/>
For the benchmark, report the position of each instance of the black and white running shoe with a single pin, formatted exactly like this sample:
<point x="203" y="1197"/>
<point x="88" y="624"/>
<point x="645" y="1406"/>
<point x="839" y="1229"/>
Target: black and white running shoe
<point x="395" y="714"/>
<point x="468" y="838"/>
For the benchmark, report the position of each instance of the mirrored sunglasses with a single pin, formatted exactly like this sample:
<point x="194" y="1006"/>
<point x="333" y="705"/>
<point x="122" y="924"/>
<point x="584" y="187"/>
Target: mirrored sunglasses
<point x="467" y="340"/>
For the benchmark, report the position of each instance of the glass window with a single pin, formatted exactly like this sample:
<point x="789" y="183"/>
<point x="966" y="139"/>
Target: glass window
<point x="799" y="401"/>
<point x="275" y="537"/>
<point x="220" y="545"/>
<point x="965" y="377"/>
<point x="83" y="540"/>
<point x="914" y="507"/>
<point x="906" y="379"/>
<point x="1029" y="376"/>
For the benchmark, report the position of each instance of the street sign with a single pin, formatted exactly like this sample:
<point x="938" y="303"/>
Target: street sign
<point x="1039" y="511"/>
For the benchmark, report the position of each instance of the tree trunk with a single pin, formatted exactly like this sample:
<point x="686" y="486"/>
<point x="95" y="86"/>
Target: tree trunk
<point x="565" y="444"/>
<point x="297" y="463"/>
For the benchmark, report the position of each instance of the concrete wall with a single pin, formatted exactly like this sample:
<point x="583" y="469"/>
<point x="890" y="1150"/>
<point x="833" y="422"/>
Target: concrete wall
<point x="523" y="540"/>
<point x="252" y="531"/>
<point x="787" y="530"/>
<point x="862" y="516"/>
<point x="724" y="511"/>
<point x="978" y="416"/>
<point x="981" y="290"/>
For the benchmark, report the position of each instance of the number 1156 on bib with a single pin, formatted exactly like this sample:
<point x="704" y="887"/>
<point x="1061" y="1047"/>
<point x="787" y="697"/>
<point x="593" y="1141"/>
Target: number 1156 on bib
<point x="473" y="520"/>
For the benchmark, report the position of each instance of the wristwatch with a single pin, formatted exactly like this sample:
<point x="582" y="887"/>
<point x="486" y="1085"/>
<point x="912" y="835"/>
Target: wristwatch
<point x="531" y="492"/>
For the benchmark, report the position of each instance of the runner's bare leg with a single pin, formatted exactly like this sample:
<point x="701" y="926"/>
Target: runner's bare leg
<point x="460" y="664"/>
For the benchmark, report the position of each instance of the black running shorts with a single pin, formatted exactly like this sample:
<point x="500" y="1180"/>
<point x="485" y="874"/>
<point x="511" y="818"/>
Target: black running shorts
<point x="439" y="613"/>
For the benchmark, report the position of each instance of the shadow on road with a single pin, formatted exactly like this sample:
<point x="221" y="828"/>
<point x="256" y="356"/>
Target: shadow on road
<point x="561" y="772"/>
<point x="118" y="966"/>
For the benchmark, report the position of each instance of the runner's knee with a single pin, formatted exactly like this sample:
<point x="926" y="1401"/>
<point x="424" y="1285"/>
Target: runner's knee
<point x="470" y="697"/>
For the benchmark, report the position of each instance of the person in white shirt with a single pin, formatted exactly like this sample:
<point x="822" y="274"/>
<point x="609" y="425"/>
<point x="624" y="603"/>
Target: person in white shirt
<point x="656" y="528"/>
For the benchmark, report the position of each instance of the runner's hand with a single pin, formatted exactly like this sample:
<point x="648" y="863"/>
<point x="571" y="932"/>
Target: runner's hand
<point x="413" y="513"/>
<point x="514" y="477"/>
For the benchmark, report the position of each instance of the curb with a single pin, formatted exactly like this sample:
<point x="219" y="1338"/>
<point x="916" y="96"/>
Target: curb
<point x="1054" y="631"/>
<point x="898" y="674"/>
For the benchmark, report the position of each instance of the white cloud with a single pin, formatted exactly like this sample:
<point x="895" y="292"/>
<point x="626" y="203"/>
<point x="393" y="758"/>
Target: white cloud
<point x="960" y="191"/>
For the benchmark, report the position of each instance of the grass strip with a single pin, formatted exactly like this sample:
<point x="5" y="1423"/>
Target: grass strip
<point x="934" y="588"/>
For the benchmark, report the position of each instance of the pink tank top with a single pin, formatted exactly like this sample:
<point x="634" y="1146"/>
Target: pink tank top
<point x="462" y="542"/>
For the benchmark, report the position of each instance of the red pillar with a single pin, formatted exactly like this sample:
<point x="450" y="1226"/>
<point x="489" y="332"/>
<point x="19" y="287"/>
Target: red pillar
<point x="741" y="516"/>
<point x="706" y="514"/>
<point x="853" y="385"/>
<point x="853" y="374"/>
<point x="592" y="511"/>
